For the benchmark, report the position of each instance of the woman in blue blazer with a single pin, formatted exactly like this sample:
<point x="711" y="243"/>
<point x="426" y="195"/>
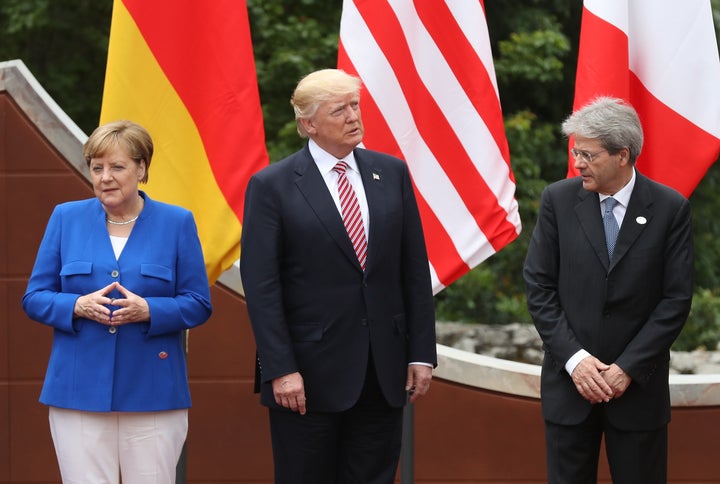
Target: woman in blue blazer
<point x="119" y="278"/>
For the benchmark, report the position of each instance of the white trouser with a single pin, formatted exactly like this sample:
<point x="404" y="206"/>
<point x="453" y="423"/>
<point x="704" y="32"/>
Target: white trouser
<point x="98" y="447"/>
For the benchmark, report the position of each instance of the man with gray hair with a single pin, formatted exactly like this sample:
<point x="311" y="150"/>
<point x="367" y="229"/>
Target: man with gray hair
<point x="338" y="289"/>
<point x="609" y="277"/>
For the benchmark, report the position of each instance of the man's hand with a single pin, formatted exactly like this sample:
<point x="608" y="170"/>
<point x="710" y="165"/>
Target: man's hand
<point x="589" y="381"/>
<point x="289" y="391"/>
<point x="617" y="379"/>
<point x="418" y="381"/>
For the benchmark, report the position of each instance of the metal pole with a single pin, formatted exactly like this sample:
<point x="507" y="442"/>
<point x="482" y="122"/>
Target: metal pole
<point x="181" y="469"/>
<point x="407" y="452"/>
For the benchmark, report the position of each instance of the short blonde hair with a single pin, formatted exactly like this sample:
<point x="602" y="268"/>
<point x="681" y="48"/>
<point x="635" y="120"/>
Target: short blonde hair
<point x="131" y="137"/>
<point x="317" y="87"/>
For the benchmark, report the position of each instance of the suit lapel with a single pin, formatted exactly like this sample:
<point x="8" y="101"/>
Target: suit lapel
<point x="374" y="185"/>
<point x="637" y="216"/>
<point x="312" y="185"/>
<point x="588" y="213"/>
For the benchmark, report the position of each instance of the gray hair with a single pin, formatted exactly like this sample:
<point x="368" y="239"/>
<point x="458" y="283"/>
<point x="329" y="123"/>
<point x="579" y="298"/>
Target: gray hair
<point x="317" y="87"/>
<point x="611" y="120"/>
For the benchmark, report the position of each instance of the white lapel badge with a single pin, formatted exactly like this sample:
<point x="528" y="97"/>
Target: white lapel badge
<point x="376" y="176"/>
<point x="641" y="220"/>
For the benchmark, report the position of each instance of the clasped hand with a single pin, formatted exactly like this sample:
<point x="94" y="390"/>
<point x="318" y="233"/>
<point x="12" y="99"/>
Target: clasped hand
<point x="131" y="308"/>
<point x="597" y="382"/>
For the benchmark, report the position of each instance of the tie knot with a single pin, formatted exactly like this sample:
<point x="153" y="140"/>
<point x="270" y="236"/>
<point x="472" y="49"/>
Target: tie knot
<point x="610" y="204"/>
<point x="341" y="167"/>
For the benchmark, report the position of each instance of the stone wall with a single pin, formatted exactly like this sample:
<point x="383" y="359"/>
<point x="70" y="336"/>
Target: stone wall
<point x="521" y="342"/>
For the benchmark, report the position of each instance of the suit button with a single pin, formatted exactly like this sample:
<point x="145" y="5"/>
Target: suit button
<point x="115" y="273"/>
<point x="363" y="322"/>
<point x="112" y="330"/>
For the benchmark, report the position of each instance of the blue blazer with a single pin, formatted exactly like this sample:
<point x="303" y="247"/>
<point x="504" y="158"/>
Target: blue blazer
<point x="312" y="308"/>
<point x="135" y="367"/>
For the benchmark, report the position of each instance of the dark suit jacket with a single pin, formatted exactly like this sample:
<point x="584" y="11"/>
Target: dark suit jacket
<point x="312" y="308"/>
<point x="627" y="312"/>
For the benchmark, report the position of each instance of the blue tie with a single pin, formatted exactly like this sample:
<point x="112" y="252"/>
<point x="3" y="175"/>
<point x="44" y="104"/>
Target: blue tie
<point x="611" y="226"/>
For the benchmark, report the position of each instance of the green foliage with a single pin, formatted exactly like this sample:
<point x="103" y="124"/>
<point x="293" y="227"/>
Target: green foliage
<point x="705" y="205"/>
<point x="290" y="40"/>
<point x="64" y="44"/>
<point x="702" y="329"/>
<point x="533" y="55"/>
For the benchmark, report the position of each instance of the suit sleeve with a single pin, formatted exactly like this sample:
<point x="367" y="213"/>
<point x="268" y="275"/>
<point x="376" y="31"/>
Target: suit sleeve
<point x="417" y="285"/>
<point x="261" y="246"/>
<point x="44" y="300"/>
<point x="541" y="274"/>
<point x="190" y="305"/>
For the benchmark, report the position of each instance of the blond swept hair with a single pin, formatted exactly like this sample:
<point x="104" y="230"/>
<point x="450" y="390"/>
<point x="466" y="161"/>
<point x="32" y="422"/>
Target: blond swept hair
<point x="317" y="87"/>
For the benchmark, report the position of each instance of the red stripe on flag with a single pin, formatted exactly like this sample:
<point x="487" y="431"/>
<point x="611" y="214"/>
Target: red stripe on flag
<point x="467" y="67"/>
<point x="432" y="124"/>
<point x="446" y="260"/>
<point x="668" y="137"/>
<point x="205" y="50"/>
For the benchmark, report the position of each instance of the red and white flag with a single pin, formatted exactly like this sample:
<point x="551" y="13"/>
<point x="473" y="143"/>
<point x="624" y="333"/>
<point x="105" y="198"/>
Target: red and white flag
<point x="662" y="57"/>
<point x="430" y="97"/>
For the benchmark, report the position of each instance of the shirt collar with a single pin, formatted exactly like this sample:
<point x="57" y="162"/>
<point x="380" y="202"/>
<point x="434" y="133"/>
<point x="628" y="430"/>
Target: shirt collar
<point x="325" y="161"/>
<point x="623" y="195"/>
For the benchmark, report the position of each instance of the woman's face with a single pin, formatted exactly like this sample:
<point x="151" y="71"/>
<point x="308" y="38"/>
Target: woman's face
<point x="115" y="178"/>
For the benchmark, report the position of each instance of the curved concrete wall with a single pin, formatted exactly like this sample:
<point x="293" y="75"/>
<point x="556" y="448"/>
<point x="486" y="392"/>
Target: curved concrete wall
<point x="481" y="422"/>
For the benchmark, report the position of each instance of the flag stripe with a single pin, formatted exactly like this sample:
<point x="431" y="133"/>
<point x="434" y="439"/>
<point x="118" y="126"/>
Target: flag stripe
<point x="443" y="255"/>
<point x="192" y="57"/>
<point x="431" y="122"/>
<point x="431" y="99"/>
<point x="467" y="67"/>
<point x="670" y="136"/>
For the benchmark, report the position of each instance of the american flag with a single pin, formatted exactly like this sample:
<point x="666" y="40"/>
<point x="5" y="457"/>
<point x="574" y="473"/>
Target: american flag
<point x="430" y="97"/>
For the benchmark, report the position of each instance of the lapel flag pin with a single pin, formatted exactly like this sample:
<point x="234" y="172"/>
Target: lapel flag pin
<point x="376" y="176"/>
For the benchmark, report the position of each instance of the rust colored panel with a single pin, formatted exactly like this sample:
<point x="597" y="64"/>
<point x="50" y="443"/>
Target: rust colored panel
<point x="5" y="315"/>
<point x="5" y="440"/>
<point x="28" y="342"/>
<point x="693" y="445"/>
<point x="229" y="436"/>
<point x="224" y="346"/>
<point x="27" y="149"/>
<point x="33" y="197"/>
<point x="32" y="456"/>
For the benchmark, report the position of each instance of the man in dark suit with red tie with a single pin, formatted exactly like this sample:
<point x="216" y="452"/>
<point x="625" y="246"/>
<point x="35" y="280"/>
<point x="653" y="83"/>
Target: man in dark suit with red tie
<point x="338" y="289"/>
<point x="609" y="276"/>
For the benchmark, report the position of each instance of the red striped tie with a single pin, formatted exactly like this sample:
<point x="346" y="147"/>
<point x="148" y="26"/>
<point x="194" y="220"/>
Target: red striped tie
<point x="351" y="214"/>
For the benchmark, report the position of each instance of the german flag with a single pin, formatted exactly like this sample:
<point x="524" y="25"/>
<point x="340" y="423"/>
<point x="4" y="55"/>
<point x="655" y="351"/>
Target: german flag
<point x="184" y="69"/>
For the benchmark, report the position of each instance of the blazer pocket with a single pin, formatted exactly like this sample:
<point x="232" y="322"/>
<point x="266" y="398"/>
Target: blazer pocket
<point x="306" y="332"/>
<point x="157" y="271"/>
<point x="76" y="268"/>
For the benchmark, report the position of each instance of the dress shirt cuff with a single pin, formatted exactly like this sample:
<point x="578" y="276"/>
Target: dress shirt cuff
<point x="574" y="360"/>
<point x="420" y="363"/>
